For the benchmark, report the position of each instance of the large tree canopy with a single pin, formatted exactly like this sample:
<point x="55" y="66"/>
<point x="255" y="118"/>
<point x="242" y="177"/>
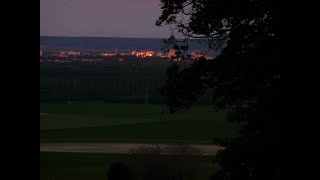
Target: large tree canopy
<point x="245" y="77"/>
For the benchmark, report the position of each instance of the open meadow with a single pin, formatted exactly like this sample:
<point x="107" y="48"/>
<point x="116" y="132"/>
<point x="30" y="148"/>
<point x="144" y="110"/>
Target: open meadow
<point x="134" y="123"/>
<point x="89" y="122"/>
<point x="89" y="166"/>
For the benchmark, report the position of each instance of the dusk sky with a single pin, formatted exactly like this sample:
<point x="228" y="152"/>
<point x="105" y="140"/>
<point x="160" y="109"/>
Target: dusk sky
<point x="101" y="18"/>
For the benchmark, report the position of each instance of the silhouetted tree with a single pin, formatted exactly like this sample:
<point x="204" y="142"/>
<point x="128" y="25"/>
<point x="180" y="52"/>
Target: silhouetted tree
<point x="245" y="77"/>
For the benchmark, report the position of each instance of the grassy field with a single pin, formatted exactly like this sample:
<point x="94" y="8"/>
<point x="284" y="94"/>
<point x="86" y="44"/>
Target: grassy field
<point x="76" y="165"/>
<point x="102" y="122"/>
<point x="87" y="166"/>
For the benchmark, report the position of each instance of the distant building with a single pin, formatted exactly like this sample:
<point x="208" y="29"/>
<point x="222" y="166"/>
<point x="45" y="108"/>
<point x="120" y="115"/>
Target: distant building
<point x="108" y="54"/>
<point x="40" y="52"/>
<point x="59" y="54"/>
<point x="74" y="53"/>
<point x="159" y="54"/>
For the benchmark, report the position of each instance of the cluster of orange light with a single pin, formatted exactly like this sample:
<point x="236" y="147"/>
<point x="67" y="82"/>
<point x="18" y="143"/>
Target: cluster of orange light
<point x="143" y="54"/>
<point x="108" y="54"/>
<point x="196" y="56"/>
<point x="171" y="53"/>
<point x="135" y="53"/>
<point x="149" y="53"/>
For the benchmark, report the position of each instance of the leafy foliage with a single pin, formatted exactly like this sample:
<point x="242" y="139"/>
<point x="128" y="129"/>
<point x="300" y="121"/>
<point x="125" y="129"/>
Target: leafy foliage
<point x="245" y="77"/>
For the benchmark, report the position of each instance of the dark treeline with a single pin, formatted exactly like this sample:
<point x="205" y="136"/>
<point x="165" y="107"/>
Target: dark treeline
<point x="126" y="82"/>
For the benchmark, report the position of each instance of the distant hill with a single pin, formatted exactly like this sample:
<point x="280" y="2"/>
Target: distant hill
<point x="99" y="43"/>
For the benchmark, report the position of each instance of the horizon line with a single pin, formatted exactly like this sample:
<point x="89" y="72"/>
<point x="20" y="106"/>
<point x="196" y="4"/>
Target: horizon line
<point x="105" y="37"/>
<point x="112" y="37"/>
